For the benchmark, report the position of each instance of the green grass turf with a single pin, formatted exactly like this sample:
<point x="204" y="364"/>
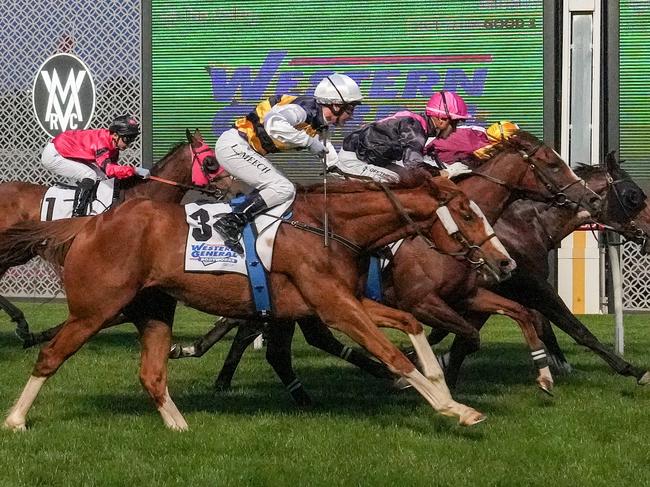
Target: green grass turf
<point x="94" y="425"/>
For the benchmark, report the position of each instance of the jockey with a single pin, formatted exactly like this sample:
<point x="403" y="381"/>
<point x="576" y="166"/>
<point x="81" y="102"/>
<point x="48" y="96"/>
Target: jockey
<point x="87" y="156"/>
<point x="277" y="124"/>
<point x="378" y="150"/>
<point x="452" y="142"/>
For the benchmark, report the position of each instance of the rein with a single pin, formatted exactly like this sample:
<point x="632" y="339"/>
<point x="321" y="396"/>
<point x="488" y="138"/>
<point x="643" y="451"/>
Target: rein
<point x="201" y="189"/>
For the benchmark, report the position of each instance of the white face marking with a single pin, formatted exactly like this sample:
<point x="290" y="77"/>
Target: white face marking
<point x="447" y="220"/>
<point x="488" y="229"/>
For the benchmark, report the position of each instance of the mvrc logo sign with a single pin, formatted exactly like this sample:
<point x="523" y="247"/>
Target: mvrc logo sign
<point x="64" y="94"/>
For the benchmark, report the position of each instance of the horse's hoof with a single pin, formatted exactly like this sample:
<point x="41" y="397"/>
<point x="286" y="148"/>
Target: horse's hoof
<point x="14" y="426"/>
<point x="644" y="379"/>
<point x="178" y="427"/>
<point x="175" y="351"/>
<point x="472" y="418"/>
<point x="546" y="386"/>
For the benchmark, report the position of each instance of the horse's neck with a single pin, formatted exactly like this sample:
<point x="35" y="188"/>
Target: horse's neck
<point x="155" y="190"/>
<point x="174" y="168"/>
<point x="492" y="197"/>
<point x="369" y="218"/>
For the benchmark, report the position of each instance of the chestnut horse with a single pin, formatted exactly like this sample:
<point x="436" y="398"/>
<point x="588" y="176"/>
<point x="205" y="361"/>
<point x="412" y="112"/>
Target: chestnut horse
<point x="145" y="240"/>
<point x="171" y="178"/>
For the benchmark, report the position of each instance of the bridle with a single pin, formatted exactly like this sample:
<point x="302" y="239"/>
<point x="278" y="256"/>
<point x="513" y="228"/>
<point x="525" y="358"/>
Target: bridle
<point x="542" y="174"/>
<point x="198" y="161"/>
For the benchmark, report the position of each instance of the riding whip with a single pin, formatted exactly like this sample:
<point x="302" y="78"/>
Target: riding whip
<point x="326" y="239"/>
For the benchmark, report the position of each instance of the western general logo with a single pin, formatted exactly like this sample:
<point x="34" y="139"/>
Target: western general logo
<point x="63" y="94"/>
<point x="390" y="82"/>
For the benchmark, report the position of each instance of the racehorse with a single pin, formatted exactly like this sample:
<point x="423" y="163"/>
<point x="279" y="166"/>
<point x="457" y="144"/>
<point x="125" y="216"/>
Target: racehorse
<point x="625" y="210"/>
<point x="427" y="283"/>
<point x="170" y="178"/>
<point x="146" y="242"/>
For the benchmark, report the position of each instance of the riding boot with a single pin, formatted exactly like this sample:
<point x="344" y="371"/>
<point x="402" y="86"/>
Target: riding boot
<point x="84" y="197"/>
<point x="231" y="225"/>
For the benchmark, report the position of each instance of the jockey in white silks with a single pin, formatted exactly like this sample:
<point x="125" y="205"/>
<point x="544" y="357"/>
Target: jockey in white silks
<point x="279" y="123"/>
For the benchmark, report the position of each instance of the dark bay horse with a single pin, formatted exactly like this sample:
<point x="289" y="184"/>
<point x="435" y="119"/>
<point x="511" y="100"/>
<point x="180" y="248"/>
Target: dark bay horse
<point x="625" y="210"/>
<point x="171" y="178"/>
<point x="146" y="242"/>
<point x="431" y="285"/>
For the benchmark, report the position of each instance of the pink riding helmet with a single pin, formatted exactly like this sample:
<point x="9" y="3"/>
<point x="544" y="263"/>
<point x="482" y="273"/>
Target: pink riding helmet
<point x="447" y="104"/>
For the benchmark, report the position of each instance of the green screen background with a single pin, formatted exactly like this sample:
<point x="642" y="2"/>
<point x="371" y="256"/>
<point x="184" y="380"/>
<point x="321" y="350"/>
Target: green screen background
<point x="490" y="52"/>
<point x="635" y="87"/>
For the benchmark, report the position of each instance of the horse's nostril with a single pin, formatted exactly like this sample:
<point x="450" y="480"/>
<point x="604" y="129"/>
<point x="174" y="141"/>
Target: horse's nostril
<point x="596" y="202"/>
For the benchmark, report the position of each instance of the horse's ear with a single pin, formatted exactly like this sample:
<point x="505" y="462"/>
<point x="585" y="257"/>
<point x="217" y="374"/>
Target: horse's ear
<point x="189" y="136"/>
<point x="611" y="163"/>
<point x="197" y="135"/>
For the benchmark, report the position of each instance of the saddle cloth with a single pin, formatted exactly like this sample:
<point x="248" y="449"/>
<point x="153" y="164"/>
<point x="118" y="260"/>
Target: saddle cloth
<point x="205" y="250"/>
<point x="59" y="199"/>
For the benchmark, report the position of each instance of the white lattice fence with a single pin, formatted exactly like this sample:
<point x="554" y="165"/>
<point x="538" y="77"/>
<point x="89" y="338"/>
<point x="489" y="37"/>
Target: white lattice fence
<point x="106" y="35"/>
<point x="636" y="278"/>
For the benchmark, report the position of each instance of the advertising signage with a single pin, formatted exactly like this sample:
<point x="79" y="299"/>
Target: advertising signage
<point x="213" y="63"/>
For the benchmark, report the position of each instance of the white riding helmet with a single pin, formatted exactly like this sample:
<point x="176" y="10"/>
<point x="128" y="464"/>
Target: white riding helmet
<point x="337" y="89"/>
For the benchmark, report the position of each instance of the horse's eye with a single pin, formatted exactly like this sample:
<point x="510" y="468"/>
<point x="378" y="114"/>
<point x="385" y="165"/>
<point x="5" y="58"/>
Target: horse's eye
<point x="468" y="217"/>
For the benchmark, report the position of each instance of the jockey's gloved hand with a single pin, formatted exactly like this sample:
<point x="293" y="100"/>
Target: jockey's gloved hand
<point x="316" y="147"/>
<point x="143" y="172"/>
<point x="456" y="169"/>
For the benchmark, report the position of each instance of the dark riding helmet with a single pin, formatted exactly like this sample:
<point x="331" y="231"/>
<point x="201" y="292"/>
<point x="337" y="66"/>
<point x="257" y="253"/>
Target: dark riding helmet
<point x="125" y="125"/>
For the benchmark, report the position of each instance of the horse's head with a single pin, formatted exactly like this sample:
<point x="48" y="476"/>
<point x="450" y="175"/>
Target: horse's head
<point x="544" y="175"/>
<point x="191" y="163"/>
<point x="462" y="231"/>
<point x="625" y="207"/>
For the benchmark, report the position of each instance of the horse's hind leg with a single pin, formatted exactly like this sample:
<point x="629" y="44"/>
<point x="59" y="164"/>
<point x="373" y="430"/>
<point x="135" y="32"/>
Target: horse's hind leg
<point x="156" y="337"/>
<point x="278" y="353"/>
<point x="72" y="336"/>
<point x="17" y="316"/>
<point x="318" y="335"/>
<point x="246" y="334"/>
<point x="220" y="329"/>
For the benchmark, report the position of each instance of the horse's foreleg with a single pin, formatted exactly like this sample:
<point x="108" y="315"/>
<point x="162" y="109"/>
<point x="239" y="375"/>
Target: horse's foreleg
<point x="246" y="334"/>
<point x="384" y="316"/>
<point x="319" y="336"/>
<point x="155" y="337"/>
<point x="220" y="329"/>
<point x="278" y="354"/>
<point x="339" y="309"/>
<point x="71" y="337"/>
<point x="535" y="292"/>
<point x="556" y="359"/>
<point x="488" y="302"/>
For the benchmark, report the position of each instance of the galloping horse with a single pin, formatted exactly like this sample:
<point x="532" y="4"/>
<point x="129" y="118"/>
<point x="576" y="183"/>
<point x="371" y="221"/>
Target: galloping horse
<point x="171" y="177"/>
<point x="146" y="242"/>
<point x="432" y="285"/>
<point x="530" y="232"/>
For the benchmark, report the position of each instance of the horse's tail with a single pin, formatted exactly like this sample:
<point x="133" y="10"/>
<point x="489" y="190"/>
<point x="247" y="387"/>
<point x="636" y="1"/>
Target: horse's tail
<point x="51" y="240"/>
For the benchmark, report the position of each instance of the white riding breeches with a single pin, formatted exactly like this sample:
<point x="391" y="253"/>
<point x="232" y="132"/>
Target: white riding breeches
<point x="242" y="161"/>
<point x="75" y="170"/>
<point x="348" y="163"/>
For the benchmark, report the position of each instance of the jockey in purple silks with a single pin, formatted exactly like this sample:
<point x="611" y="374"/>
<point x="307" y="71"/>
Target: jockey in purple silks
<point x="380" y="150"/>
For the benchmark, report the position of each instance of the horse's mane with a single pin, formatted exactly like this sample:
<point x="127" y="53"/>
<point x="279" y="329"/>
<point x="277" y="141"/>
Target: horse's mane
<point x="518" y="140"/>
<point x="586" y="170"/>
<point x="161" y="163"/>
